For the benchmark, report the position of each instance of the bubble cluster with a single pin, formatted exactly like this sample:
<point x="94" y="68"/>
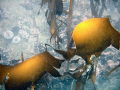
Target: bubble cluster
<point x="16" y="39"/>
<point x="8" y="34"/>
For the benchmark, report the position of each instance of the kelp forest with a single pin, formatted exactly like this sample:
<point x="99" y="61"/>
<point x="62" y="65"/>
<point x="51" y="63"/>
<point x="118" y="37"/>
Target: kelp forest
<point x="59" y="44"/>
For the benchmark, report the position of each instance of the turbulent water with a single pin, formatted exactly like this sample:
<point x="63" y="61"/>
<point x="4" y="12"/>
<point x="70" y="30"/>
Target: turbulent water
<point x="22" y="30"/>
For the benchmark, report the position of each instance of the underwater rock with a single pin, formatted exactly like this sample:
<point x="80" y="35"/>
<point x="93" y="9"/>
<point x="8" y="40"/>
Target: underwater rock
<point x="8" y="34"/>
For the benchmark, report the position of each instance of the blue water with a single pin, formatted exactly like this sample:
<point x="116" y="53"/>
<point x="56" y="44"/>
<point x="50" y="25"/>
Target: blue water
<point x="20" y="17"/>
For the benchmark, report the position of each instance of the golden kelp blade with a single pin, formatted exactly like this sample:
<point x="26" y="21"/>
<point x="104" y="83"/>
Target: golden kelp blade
<point x="79" y="85"/>
<point x="94" y="62"/>
<point x="4" y="69"/>
<point x="28" y="72"/>
<point x="66" y="54"/>
<point x="52" y="60"/>
<point x="50" y="69"/>
<point x="22" y="58"/>
<point x="94" y="35"/>
<point x="113" y="70"/>
<point x="5" y="79"/>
